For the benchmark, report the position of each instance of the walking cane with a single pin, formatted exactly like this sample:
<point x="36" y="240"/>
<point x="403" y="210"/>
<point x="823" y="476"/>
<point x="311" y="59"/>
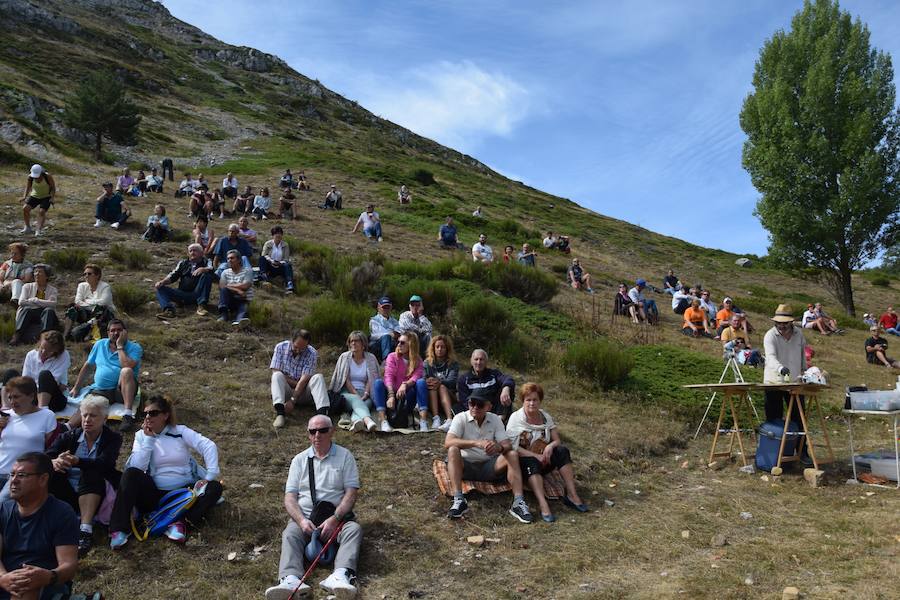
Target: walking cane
<point x="315" y="562"/>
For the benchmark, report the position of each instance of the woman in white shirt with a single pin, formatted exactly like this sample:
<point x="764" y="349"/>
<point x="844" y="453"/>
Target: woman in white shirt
<point x="275" y="260"/>
<point x="353" y="378"/>
<point x="25" y="428"/>
<point x="37" y="303"/>
<point x="160" y="462"/>
<point x="48" y="364"/>
<point x="93" y="304"/>
<point x="262" y="204"/>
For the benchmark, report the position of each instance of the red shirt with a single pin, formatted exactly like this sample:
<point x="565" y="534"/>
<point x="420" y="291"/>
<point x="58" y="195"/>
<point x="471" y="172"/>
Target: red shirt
<point x="888" y="321"/>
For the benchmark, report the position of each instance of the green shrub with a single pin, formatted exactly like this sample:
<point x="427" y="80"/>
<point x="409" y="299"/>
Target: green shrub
<point x="423" y="176"/>
<point x="437" y="296"/>
<point x="483" y="322"/>
<point x="519" y="281"/>
<point x="129" y="297"/>
<point x="260" y="314"/>
<point x="521" y="352"/>
<point x="7" y="325"/>
<point x="133" y="258"/>
<point x="881" y="281"/>
<point x="69" y="259"/>
<point x="181" y="236"/>
<point x="561" y="268"/>
<point x="330" y="320"/>
<point x="598" y="361"/>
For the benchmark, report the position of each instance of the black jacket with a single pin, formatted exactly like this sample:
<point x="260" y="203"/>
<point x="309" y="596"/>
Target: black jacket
<point x="108" y="445"/>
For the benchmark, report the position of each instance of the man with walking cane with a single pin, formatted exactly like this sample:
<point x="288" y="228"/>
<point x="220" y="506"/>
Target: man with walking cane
<point x="321" y="489"/>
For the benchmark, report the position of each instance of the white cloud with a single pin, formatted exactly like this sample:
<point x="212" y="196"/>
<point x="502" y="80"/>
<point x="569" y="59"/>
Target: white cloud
<point x="456" y="103"/>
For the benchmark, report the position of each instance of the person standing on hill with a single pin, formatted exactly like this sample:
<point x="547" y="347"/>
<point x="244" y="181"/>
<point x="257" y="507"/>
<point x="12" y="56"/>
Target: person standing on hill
<point x="785" y="360"/>
<point x="39" y="192"/>
<point x="168" y="167"/>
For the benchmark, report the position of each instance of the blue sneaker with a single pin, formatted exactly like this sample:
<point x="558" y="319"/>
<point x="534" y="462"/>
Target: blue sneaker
<point x="117" y="539"/>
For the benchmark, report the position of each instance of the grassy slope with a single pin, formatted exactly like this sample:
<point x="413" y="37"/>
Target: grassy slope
<point x="841" y="540"/>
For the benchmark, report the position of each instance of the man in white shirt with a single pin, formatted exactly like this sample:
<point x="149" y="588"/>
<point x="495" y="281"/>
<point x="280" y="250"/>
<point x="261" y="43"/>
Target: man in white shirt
<point x="478" y="449"/>
<point x="481" y="252"/>
<point x="370" y="221"/>
<point x="235" y="291"/>
<point x="230" y="186"/>
<point x="155" y="182"/>
<point x="187" y="187"/>
<point x="316" y="514"/>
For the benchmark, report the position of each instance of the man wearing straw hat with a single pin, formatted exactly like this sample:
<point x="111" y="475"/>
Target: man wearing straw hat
<point x="785" y="361"/>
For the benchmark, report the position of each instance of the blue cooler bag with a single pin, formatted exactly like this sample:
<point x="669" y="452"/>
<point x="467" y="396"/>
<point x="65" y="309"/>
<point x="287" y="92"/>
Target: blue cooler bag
<point x="769" y="441"/>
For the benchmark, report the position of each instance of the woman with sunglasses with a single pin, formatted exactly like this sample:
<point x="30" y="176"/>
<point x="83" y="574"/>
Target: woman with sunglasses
<point x="84" y="461"/>
<point x="624" y="305"/>
<point x="24" y="427"/>
<point x="160" y="462"/>
<point x="441" y="372"/>
<point x="397" y="392"/>
<point x="354" y="377"/>
<point x="93" y="305"/>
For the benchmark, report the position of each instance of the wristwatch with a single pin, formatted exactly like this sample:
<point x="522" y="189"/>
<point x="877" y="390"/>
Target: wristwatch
<point x="54" y="577"/>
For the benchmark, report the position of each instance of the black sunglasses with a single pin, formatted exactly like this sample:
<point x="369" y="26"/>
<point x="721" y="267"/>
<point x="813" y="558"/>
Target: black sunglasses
<point x="151" y="413"/>
<point x="322" y="430"/>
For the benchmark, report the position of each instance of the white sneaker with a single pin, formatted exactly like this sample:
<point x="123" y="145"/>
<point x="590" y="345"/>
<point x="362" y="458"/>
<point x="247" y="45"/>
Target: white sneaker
<point x="26" y="230"/>
<point x="357" y="426"/>
<point x="370" y="424"/>
<point x="338" y="585"/>
<point x="278" y="423"/>
<point x="423" y="425"/>
<point x="98" y="223"/>
<point x="115" y="225"/>
<point x="38" y="232"/>
<point x="435" y="422"/>
<point x="386" y="427"/>
<point x="380" y="239"/>
<point x="283" y="590"/>
<point x="445" y="426"/>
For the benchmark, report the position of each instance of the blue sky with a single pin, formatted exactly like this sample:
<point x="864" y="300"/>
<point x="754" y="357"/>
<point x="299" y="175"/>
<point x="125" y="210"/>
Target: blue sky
<point x="628" y="108"/>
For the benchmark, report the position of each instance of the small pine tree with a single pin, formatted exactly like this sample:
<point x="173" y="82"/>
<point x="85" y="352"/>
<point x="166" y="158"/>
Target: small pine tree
<point x="100" y="107"/>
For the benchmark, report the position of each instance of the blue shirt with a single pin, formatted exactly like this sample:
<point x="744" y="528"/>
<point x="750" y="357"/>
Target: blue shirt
<point x="448" y="234"/>
<point x="113" y="206"/>
<point x="106" y="377"/>
<point x="380" y="326"/>
<point x="224" y="245"/>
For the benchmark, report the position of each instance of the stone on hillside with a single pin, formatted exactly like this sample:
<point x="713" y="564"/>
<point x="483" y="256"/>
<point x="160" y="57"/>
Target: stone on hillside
<point x="10" y="132"/>
<point x="718" y="540"/>
<point x="475" y="540"/>
<point x="744" y="262"/>
<point x="790" y="593"/>
<point x="813" y="477"/>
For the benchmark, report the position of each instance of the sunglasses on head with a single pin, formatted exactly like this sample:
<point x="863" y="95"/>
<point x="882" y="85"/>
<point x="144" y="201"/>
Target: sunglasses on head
<point x="322" y="430"/>
<point x="151" y="413"/>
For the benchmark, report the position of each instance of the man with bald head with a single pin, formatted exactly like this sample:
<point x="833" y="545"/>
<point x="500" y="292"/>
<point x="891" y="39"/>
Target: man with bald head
<point x="317" y="511"/>
<point x="499" y="389"/>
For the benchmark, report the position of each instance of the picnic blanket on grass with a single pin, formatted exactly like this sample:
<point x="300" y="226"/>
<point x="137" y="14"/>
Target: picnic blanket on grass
<point x="554" y="487"/>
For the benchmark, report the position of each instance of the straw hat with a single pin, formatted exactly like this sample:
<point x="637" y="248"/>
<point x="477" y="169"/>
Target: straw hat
<point x="783" y="314"/>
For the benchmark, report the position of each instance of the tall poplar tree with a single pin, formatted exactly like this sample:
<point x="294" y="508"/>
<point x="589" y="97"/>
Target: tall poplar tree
<point x="823" y="134"/>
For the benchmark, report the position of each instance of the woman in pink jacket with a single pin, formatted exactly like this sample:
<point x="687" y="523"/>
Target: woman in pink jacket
<point x="396" y="394"/>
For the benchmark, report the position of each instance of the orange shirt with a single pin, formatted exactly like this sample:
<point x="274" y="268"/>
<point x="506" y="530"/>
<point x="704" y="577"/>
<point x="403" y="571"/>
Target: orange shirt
<point x="723" y="317"/>
<point x="694" y="316"/>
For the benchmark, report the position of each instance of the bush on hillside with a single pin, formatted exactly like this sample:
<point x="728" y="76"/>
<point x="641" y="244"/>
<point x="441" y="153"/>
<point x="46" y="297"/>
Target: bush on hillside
<point x="180" y="236"/>
<point x="521" y="352"/>
<point x="130" y="298"/>
<point x="437" y="296"/>
<point x="423" y="176"/>
<point x="7" y="325"/>
<point x="598" y="361"/>
<point x="881" y="281"/>
<point x="260" y="314"/>
<point x="133" y="258"/>
<point x="483" y="322"/>
<point x="69" y="259"/>
<point x="330" y="320"/>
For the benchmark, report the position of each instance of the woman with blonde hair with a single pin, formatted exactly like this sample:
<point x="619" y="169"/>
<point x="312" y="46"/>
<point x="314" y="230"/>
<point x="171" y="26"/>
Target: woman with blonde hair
<point x="535" y="437"/>
<point x="439" y="382"/>
<point x="396" y="394"/>
<point x="354" y="377"/>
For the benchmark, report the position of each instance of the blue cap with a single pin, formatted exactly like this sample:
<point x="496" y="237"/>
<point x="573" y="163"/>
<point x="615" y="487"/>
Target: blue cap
<point x="415" y="298"/>
<point x="641" y="282"/>
<point x="384" y="300"/>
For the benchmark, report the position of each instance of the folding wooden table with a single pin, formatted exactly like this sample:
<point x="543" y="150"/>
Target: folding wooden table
<point x="811" y="392"/>
<point x="734" y="397"/>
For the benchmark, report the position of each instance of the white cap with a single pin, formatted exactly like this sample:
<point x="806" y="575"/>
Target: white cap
<point x="36" y="171"/>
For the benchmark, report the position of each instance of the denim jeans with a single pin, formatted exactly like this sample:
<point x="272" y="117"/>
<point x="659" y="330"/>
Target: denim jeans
<point x="411" y="401"/>
<point x="168" y="296"/>
<point x="373" y="232"/>
<point x="229" y="301"/>
<point x="285" y="270"/>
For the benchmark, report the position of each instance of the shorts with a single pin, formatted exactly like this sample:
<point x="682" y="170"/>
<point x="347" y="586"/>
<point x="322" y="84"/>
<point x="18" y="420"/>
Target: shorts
<point x="114" y="395"/>
<point x="42" y="202"/>
<point x="810" y="325"/>
<point x="482" y="471"/>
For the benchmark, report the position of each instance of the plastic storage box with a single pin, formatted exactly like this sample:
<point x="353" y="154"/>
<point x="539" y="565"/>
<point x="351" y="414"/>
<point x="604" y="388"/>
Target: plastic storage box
<point x="875" y="400"/>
